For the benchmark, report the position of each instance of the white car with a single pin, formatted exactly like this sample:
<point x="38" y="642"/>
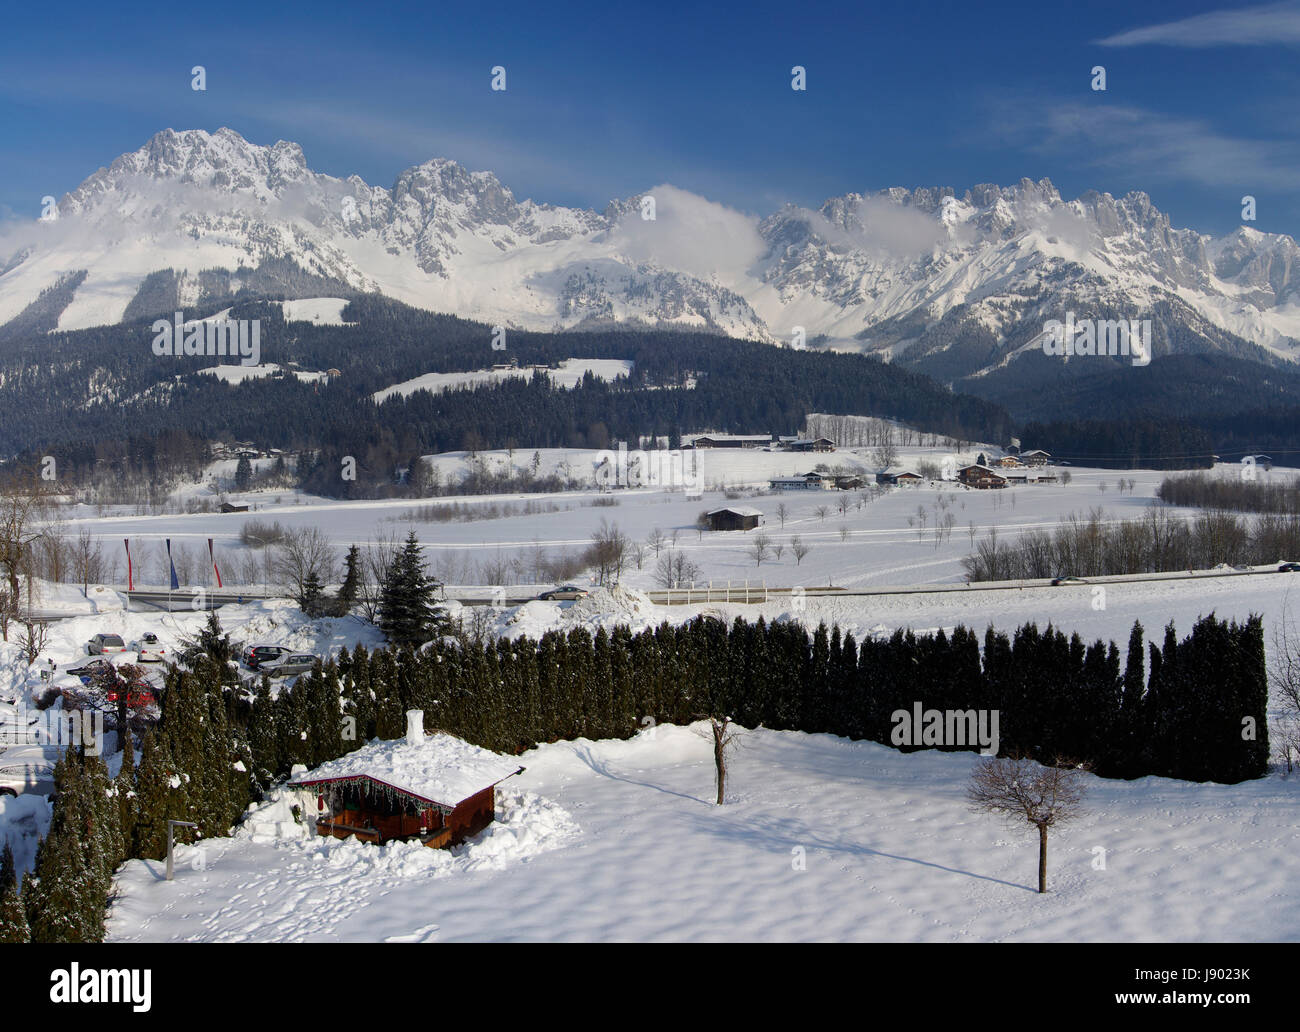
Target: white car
<point x="26" y="769"/>
<point x="148" y="649"/>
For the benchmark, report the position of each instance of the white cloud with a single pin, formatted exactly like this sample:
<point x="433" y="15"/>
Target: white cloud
<point x="1246" y="26"/>
<point x="689" y="233"/>
<point x="1156" y="146"/>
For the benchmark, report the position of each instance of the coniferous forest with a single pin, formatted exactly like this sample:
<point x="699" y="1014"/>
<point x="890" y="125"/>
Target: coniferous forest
<point x="1193" y="708"/>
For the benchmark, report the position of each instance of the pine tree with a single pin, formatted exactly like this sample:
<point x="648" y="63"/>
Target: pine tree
<point x="264" y="736"/>
<point x="13" y="918"/>
<point x="311" y="598"/>
<point x="153" y="785"/>
<point x="243" y="473"/>
<point x="127" y="795"/>
<point x="351" y="586"/>
<point x="65" y="898"/>
<point x="407" y="614"/>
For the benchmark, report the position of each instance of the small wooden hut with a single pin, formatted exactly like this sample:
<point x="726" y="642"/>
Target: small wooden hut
<point x="435" y="788"/>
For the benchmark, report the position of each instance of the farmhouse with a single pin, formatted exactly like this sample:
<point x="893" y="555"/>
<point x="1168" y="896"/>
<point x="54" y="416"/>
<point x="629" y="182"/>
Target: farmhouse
<point x="802" y="482"/>
<point x="733" y="441"/>
<point x="735" y="517"/>
<point x="435" y="788"/>
<point x="816" y="444"/>
<point x="980" y="476"/>
<point x="231" y="507"/>
<point x="898" y="475"/>
<point x="1037" y="457"/>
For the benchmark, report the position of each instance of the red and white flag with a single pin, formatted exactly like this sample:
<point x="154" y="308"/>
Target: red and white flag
<point x="130" y="581"/>
<point x="214" y="562"/>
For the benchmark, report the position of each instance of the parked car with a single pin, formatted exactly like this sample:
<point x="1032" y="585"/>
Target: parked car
<point x="288" y="666"/>
<point x="566" y="593"/>
<point x="1058" y="581"/>
<point x="254" y="656"/>
<point x="148" y="649"/>
<point x="26" y="769"/>
<point x="1288" y="568"/>
<point x="102" y="644"/>
<point x="94" y="670"/>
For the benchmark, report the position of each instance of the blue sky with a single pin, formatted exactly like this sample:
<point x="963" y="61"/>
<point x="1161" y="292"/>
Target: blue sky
<point x="604" y="100"/>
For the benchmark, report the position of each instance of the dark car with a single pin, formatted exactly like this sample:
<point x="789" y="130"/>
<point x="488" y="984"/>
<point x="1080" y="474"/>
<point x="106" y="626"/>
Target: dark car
<point x="288" y="666"/>
<point x="566" y="593"/>
<point x="1058" y="581"/>
<point x="94" y="670"/>
<point x="1288" y="568"/>
<point x="255" y="655"/>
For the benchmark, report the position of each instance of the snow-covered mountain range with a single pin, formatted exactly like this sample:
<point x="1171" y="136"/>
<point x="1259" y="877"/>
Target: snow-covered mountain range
<point x="956" y="284"/>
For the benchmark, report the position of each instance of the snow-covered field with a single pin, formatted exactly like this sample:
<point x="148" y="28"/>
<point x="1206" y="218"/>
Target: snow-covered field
<point x="873" y="543"/>
<point x="570" y="374"/>
<point x="820" y="839"/>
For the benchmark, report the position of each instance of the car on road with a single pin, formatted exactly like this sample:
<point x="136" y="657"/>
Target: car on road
<point x="148" y="649"/>
<point x="1288" y="568"/>
<point x="1058" y="581"/>
<point x="565" y="593"/>
<point x="288" y="666"/>
<point x="102" y="644"/>
<point x="254" y="656"/>
<point x="26" y="769"/>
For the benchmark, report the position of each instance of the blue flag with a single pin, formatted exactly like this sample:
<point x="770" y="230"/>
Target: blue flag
<point x="175" y="583"/>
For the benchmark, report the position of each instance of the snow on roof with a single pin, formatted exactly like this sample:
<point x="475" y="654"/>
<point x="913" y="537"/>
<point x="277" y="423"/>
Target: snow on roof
<point x="441" y="769"/>
<point x="739" y="510"/>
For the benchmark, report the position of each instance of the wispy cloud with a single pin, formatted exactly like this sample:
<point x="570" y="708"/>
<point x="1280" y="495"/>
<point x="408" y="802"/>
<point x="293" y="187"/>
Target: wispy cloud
<point x="1151" y="145"/>
<point x="1246" y="26"/>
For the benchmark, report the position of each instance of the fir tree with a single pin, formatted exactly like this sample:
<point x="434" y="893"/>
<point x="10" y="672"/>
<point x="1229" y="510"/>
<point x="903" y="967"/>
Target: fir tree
<point x="243" y="473"/>
<point x="407" y="614"/>
<point x="351" y="586"/>
<point x="13" y="918"/>
<point x="311" y="599"/>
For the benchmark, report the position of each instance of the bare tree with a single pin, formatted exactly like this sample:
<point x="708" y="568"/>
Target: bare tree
<point x="655" y="540"/>
<point x="674" y="570"/>
<point x="8" y="610"/>
<point x="782" y="513"/>
<point x="1284" y="679"/>
<point x="608" y="552"/>
<point x="778" y="550"/>
<point x="822" y="511"/>
<point x="35" y="636"/>
<point x="303" y="554"/>
<point x="22" y="503"/>
<point x="724" y="736"/>
<point x="799" y="548"/>
<point x="844" y="532"/>
<point x="760" y="548"/>
<point x="1066" y="476"/>
<point x="1019" y="789"/>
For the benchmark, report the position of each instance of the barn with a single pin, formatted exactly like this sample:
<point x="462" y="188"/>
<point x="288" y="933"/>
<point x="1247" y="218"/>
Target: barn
<point x="436" y="789"/>
<point x="982" y="477"/>
<point x="734" y="517"/>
